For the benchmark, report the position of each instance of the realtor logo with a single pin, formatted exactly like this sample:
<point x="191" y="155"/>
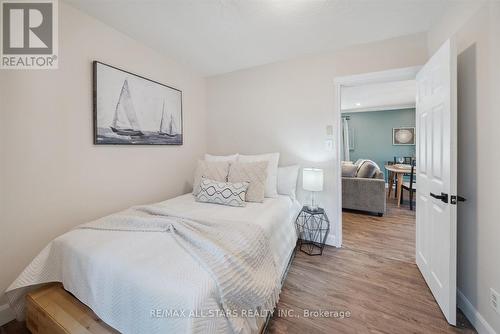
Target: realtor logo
<point x="29" y="34"/>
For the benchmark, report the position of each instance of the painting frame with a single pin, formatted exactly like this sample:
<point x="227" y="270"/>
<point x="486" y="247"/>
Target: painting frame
<point x="134" y="140"/>
<point x="398" y="142"/>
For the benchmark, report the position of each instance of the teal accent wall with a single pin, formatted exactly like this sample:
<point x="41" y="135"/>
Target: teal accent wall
<point x="373" y="135"/>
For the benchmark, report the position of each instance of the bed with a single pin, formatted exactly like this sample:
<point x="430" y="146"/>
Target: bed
<point x="146" y="283"/>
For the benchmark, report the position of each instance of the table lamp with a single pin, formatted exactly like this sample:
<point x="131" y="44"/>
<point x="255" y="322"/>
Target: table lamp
<point x="312" y="180"/>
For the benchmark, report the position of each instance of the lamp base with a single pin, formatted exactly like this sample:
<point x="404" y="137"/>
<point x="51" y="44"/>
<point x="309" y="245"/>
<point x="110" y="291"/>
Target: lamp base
<point x="313" y="207"/>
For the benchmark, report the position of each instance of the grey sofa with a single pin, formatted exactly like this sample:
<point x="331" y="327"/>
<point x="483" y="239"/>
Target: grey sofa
<point x="365" y="194"/>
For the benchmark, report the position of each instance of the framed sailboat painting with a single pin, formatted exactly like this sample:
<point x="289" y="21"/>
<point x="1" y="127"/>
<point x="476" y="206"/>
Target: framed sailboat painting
<point x="132" y="110"/>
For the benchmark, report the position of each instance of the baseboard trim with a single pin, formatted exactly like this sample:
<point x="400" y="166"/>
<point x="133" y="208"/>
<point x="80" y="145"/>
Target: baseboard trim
<point x="476" y="319"/>
<point x="6" y="314"/>
<point x="330" y="240"/>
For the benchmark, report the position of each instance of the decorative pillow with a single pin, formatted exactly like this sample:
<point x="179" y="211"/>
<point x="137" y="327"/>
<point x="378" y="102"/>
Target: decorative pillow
<point x="255" y="173"/>
<point x="287" y="180"/>
<point x="367" y="170"/>
<point x="225" y="193"/>
<point x="349" y="170"/>
<point x="214" y="170"/>
<point x="230" y="158"/>
<point x="359" y="162"/>
<point x="272" y="170"/>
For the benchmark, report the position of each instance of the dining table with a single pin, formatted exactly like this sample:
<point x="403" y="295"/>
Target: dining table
<point x="397" y="171"/>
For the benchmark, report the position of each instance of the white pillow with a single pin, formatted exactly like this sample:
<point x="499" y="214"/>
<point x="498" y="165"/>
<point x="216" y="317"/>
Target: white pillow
<point x="214" y="170"/>
<point x="272" y="170"/>
<point x="230" y="158"/>
<point x="287" y="180"/>
<point x="255" y="173"/>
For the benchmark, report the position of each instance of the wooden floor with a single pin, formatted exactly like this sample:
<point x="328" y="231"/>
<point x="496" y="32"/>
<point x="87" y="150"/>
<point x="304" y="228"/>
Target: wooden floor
<point x="374" y="277"/>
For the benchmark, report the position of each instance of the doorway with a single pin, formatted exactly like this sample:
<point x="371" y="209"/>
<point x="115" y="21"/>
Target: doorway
<point x="378" y="168"/>
<point x="342" y="83"/>
<point x="436" y="158"/>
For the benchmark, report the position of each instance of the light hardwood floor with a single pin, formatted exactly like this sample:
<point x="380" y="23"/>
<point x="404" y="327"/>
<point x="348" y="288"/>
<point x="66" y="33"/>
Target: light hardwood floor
<point x="373" y="277"/>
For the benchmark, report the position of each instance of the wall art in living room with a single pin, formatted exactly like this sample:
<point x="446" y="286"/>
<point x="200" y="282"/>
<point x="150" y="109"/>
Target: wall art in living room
<point x="403" y="136"/>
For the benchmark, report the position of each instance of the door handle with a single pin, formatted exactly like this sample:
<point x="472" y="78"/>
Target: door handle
<point x="443" y="197"/>
<point x="455" y="199"/>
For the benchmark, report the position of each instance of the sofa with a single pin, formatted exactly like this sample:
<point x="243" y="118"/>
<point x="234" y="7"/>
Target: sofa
<point x="363" y="187"/>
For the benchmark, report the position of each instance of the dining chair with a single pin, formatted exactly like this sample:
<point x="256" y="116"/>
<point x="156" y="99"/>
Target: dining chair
<point x="411" y="186"/>
<point x="403" y="160"/>
<point x="406" y="161"/>
<point x="397" y="160"/>
<point x="394" y="177"/>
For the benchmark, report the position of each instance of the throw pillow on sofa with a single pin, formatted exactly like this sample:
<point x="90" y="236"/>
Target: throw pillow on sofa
<point x="349" y="170"/>
<point x="367" y="169"/>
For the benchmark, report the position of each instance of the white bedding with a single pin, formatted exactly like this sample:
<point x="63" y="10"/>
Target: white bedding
<point x="126" y="278"/>
<point x="275" y="215"/>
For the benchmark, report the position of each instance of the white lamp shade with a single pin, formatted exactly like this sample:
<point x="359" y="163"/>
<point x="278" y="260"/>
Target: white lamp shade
<point x="312" y="179"/>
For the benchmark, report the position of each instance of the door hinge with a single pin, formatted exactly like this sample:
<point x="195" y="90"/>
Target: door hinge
<point x="456" y="198"/>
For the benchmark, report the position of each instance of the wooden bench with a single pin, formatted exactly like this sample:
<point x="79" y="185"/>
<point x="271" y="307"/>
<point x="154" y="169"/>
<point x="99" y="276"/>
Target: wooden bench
<point x="53" y="310"/>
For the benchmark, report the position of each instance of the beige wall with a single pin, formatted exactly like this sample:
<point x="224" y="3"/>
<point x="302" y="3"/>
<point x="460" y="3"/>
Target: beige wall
<point x="452" y="20"/>
<point x="478" y="46"/>
<point x="52" y="176"/>
<point x="286" y="106"/>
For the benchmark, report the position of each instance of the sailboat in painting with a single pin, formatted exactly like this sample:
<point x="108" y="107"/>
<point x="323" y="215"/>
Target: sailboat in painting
<point x="168" y="127"/>
<point x="132" y="110"/>
<point x="125" y="121"/>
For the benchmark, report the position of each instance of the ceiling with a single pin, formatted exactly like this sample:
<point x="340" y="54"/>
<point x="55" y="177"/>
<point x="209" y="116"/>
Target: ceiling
<point x="382" y="96"/>
<point x="218" y="36"/>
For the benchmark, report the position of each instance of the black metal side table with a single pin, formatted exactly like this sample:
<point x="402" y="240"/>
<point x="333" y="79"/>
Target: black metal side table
<point x="312" y="229"/>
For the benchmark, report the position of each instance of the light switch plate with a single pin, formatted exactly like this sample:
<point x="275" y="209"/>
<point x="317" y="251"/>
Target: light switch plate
<point x="329" y="145"/>
<point x="329" y="130"/>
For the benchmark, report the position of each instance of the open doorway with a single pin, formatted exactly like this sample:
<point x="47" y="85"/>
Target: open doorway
<point x="378" y="154"/>
<point x="362" y="93"/>
<point x="436" y="195"/>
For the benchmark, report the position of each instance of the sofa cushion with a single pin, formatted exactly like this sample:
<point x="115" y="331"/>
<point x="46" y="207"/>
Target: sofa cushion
<point x="363" y="194"/>
<point x="367" y="169"/>
<point x="349" y="170"/>
<point x="379" y="175"/>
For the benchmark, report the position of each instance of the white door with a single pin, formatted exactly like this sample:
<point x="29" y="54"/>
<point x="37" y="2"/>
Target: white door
<point x="436" y="237"/>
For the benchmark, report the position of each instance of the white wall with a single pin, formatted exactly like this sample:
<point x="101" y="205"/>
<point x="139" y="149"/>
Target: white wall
<point x="52" y="176"/>
<point x="478" y="42"/>
<point x="286" y="106"/>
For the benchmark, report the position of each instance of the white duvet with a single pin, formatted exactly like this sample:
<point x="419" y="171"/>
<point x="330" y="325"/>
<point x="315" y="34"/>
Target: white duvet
<point x="144" y="283"/>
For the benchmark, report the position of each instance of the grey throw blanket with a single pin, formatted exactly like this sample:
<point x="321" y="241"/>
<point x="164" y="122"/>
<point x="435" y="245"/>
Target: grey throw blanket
<point x="238" y="257"/>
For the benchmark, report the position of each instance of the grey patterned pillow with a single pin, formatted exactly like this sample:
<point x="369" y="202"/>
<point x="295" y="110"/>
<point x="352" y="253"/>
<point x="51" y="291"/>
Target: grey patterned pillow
<point x="225" y="193"/>
<point x="213" y="170"/>
<point x="367" y="170"/>
<point x="254" y="173"/>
